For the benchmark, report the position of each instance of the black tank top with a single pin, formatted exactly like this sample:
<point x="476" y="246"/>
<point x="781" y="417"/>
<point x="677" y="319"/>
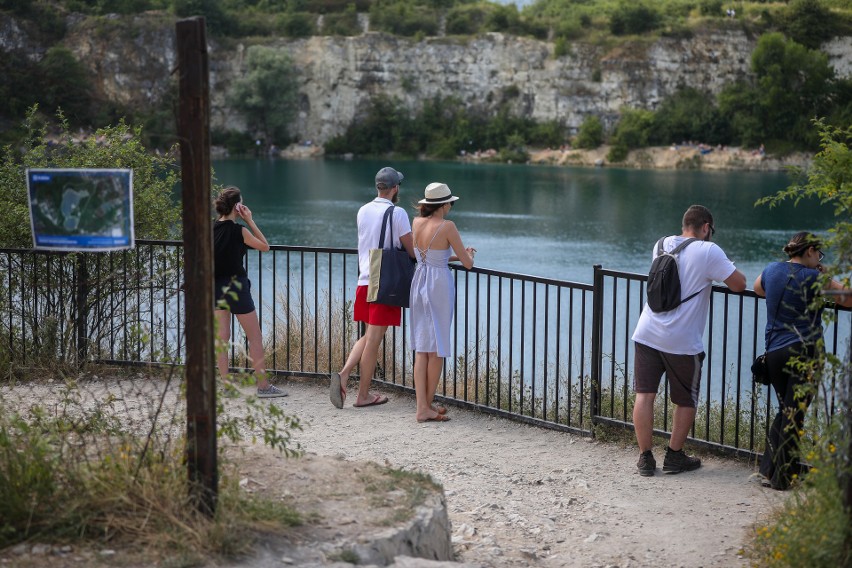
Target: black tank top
<point x="228" y="249"/>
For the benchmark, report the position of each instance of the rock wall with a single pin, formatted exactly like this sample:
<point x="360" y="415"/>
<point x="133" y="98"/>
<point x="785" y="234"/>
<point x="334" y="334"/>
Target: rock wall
<point x="132" y="60"/>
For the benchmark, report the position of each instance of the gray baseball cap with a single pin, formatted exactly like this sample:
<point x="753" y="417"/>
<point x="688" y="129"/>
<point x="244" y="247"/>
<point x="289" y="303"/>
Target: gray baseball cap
<point x="389" y="176"/>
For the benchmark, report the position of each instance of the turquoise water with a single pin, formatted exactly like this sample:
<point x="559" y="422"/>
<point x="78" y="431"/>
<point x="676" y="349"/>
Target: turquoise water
<point x="542" y="220"/>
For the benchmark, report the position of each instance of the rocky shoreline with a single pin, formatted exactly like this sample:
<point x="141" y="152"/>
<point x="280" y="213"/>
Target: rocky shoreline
<point x="686" y="157"/>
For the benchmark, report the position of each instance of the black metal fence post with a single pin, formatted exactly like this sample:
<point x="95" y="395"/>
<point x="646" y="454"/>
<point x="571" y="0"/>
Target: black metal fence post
<point x="81" y="314"/>
<point x="596" y="360"/>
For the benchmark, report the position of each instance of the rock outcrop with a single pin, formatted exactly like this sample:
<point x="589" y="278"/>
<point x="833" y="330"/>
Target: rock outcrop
<point x="132" y="59"/>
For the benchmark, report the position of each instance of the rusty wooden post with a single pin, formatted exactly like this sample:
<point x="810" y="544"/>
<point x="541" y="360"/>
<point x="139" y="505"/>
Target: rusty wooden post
<point x="194" y="134"/>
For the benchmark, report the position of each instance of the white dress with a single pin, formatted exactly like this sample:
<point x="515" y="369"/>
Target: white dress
<point x="433" y="295"/>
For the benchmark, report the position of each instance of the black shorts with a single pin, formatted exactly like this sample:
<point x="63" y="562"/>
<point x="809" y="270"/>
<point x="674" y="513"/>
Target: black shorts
<point x="236" y="293"/>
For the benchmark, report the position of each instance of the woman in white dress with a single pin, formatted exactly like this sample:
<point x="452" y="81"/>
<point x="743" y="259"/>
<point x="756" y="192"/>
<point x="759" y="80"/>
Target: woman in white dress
<point x="433" y="294"/>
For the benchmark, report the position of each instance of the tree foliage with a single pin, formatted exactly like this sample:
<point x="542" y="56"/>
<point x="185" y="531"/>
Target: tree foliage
<point x="689" y="114"/>
<point x="154" y="176"/>
<point x="632" y="131"/>
<point x="443" y="128"/>
<point x="793" y="85"/>
<point x="809" y="23"/>
<point x="267" y="95"/>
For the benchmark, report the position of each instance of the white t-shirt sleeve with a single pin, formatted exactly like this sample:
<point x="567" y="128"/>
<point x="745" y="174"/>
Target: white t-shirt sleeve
<point x="401" y="224"/>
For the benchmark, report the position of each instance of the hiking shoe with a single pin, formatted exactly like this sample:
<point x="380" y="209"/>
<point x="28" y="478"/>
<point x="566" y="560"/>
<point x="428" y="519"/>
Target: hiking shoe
<point x="646" y="464"/>
<point x="271" y="392"/>
<point x="678" y="461"/>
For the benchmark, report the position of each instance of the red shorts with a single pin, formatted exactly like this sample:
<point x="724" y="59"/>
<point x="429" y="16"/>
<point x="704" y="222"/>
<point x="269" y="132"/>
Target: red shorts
<point x="373" y="313"/>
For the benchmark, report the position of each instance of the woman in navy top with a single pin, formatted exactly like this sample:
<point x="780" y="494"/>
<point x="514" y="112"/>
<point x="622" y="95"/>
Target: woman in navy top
<point x="233" y="288"/>
<point x="793" y="331"/>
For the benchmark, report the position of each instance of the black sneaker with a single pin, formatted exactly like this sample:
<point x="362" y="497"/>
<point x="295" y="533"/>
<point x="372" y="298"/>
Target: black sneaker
<point x="678" y="461"/>
<point x="646" y="464"/>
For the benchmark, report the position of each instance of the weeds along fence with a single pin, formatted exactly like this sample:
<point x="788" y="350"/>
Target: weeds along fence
<point x="543" y="351"/>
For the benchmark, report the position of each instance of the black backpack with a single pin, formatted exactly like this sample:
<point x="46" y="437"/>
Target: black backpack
<point x="664" y="279"/>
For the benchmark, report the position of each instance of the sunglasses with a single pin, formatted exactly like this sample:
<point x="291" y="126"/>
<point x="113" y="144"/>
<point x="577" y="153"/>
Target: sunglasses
<point x="712" y="229"/>
<point x="821" y="255"/>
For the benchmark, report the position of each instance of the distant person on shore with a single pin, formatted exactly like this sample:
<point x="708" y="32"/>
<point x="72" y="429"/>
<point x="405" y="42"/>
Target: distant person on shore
<point x="670" y="342"/>
<point x="376" y="317"/>
<point x="232" y="286"/>
<point x="793" y="331"/>
<point x="433" y="294"/>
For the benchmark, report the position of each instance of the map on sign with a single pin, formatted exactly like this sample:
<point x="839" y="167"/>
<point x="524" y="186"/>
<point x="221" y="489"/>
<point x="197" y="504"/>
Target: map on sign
<point x="81" y="209"/>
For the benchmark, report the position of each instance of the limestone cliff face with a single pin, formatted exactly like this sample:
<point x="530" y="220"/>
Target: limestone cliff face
<point x="132" y="59"/>
<point x="341" y="74"/>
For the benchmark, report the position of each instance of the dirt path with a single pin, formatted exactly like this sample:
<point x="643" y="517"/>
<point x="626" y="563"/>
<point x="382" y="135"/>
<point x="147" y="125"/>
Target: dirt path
<point x="525" y="496"/>
<point x="517" y="495"/>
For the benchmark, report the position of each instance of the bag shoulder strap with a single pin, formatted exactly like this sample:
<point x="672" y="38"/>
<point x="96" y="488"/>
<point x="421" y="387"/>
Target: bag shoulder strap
<point x="384" y="226"/>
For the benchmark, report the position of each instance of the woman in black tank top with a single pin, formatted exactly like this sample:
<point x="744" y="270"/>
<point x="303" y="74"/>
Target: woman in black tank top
<point x="233" y="288"/>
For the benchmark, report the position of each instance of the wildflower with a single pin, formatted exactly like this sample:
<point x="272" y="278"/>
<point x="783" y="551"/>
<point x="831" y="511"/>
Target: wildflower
<point x="831" y="448"/>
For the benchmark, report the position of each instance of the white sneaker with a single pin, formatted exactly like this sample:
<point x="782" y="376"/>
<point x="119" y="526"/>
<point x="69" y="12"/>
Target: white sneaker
<point x="271" y="392"/>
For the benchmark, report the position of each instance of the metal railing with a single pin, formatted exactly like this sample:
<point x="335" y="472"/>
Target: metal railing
<point x="543" y="351"/>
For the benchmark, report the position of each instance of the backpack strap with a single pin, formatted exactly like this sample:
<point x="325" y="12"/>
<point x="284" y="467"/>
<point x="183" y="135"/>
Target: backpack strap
<point x="677" y="249"/>
<point x="681" y="246"/>
<point x="675" y="252"/>
<point x="384" y="226"/>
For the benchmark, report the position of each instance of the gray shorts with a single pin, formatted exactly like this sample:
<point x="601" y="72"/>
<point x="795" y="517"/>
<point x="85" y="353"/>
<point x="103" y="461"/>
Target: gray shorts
<point x="682" y="371"/>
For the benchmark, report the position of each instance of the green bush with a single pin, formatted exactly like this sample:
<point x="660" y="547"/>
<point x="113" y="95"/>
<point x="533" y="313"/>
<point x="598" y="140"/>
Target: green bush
<point x="711" y="7"/>
<point x="561" y="47"/>
<point x="617" y="153"/>
<point x="466" y="19"/>
<point x="689" y="114"/>
<point x="235" y="142"/>
<point x="505" y="19"/>
<point x="591" y="133"/>
<point x="296" y="24"/>
<point x="342" y="23"/>
<point x="634" y="18"/>
<point x="402" y="18"/>
<point x="633" y="129"/>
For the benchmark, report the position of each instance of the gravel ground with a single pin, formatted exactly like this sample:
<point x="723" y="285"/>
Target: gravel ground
<point x="525" y="496"/>
<point x="517" y="495"/>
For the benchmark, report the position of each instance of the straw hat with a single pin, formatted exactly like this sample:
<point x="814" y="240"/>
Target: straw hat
<point x="436" y="194"/>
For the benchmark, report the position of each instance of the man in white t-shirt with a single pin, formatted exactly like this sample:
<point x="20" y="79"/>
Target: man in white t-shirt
<point x="377" y="317"/>
<point x="671" y="342"/>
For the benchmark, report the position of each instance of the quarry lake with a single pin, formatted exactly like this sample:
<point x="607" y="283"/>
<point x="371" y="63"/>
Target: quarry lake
<point x="547" y="221"/>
